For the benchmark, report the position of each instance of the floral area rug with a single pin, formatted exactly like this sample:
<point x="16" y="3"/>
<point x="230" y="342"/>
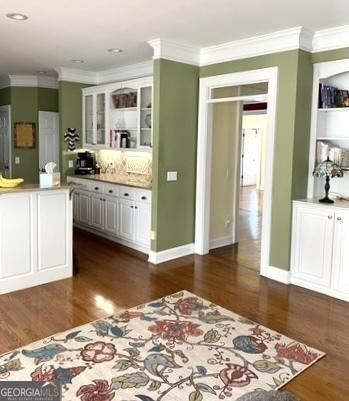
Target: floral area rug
<point x="178" y="348"/>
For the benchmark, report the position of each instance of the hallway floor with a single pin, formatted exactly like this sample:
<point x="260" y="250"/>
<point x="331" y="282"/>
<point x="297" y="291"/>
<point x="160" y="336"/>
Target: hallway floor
<point x="248" y="249"/>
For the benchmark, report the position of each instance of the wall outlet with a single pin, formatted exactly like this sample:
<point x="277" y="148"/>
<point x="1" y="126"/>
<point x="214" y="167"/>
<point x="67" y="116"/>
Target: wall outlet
<point x="71" y="163"/>
<point x="153" y="235"/>
<point x="172" y="176"/>
<point x="17" y="160"/>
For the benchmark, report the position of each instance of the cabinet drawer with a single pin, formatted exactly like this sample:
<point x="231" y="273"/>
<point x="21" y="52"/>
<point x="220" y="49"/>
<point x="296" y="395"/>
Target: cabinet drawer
<point x="143" y="195"/>
<point x="127" y="193"/>
<point x="96" y="187"/>
<point x="111" y="190"/>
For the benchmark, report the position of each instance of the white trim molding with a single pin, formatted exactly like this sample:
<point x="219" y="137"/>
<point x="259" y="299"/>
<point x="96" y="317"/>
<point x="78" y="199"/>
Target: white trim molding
<point x="169" y="50"/>
<point x="331" y="39"/>
<point x="169" y="254"/>
<point x="276" y="274"/>
<point x="204" y="154"/>
<point x="123" y="73"/>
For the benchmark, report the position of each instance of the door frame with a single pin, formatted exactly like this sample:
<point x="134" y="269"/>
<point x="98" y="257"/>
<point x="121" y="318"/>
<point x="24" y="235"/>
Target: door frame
<point x="204" y="155"/>
<point x="7" y="108"/>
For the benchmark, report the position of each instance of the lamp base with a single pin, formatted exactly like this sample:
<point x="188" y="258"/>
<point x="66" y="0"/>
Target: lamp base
<point x="326" y="199"/>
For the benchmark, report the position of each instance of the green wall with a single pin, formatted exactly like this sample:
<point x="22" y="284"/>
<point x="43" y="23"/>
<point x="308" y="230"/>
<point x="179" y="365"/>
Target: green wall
<point x="5" y="96"/>
<point x="70" y="113"/>
<point x="26" y="102"/>
<point x="175" y="133"/>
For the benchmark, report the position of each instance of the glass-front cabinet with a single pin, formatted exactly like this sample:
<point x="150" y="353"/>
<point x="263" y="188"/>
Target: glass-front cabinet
<point x="119" y="116"/>
<point x="94" y="119"/>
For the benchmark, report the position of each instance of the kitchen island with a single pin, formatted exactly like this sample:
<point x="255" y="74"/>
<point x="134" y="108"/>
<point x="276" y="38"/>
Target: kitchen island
<point x="35" y="235"/>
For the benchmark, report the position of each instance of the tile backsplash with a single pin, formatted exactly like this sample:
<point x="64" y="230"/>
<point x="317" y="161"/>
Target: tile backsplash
<point x="136" y="165"/>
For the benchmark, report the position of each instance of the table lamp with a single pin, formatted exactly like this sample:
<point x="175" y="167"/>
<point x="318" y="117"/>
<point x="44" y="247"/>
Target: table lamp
<point x="327" y="169"/>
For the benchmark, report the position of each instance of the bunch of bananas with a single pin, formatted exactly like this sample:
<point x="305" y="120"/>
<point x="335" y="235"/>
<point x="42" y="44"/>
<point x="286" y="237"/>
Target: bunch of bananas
<point x="10" y="183"/>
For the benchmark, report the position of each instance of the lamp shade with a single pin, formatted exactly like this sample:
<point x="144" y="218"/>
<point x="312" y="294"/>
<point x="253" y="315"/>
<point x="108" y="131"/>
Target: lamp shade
<point x="328" y="168"/>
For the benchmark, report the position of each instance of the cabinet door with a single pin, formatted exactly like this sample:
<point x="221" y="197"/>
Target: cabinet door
<point x="89" y="107"/>
<point x="142" y="223"/>
<point x="111" y="215"/>
<point x="312" y="244"/>
<point x="97" y="211"/>
<point x="100" y="119"/>
<point x="84" y="208"/>
<point x="340" y="267"/>
<point x="126" y="220"/>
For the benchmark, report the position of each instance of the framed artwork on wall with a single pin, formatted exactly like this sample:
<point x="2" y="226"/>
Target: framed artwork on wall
<point x="25" y="135"/>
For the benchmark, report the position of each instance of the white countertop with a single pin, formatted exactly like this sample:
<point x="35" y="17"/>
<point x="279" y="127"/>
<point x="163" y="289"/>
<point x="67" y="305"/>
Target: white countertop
<point x="115" y="179"/>
<point x="315" y="201"/>
<point x="36" y="188"/>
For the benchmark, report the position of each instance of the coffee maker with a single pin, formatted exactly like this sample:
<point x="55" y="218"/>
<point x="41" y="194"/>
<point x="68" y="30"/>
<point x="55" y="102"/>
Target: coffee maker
<point x="85" y="163"/>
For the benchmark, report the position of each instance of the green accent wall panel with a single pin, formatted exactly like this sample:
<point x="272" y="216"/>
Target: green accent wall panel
<point x="70" y="109"/>
<point x="330" y="55"/>
<point x="175" y="137"/>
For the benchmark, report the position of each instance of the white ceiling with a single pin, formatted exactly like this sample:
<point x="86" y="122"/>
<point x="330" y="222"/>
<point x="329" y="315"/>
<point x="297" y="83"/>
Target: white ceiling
<point x="59" y="31"/>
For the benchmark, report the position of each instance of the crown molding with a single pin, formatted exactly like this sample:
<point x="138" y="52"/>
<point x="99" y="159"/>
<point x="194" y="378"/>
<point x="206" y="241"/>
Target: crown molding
<point x="182" y="53"/>
<point x="331" y="39"/>
<point x="288" y="39"/>
<point x="127" y="72"/>
<point x="102" y="77"/>
<point x="32" y="81"/>
<point x="76" y="75"/>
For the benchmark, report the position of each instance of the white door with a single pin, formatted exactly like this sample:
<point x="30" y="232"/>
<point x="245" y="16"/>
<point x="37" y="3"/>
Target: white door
<point x="340" y="270"/>
<point x="111" y="215"/>
<point x="84" y="208"/>
<point x="126" y="219"/>
<point x="5" y="142"/>
<point x="48" y="138"/>
<point x="142" y="224"/>
<point x="250" y="149"/>
<point x="313" y="236"/>
<point x="97" y="211"/>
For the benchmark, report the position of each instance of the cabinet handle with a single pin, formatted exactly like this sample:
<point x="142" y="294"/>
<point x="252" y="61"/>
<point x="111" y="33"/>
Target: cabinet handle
<point x="110" y="191"/>
<point x="143" y="197"/>
<point x="131" y="207"/>
<point x="136" y="207"/>
<point x="96" y="188"/>
<point x="339" y="218"/>
<point x="330" y="217"/>
<point x="126" y="194"/>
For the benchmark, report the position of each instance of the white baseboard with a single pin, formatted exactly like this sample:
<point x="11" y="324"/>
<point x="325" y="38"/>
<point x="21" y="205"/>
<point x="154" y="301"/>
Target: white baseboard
<point x="169" y="254"/>
<point x="277" y="274"/>
<point x="221" y="241"/>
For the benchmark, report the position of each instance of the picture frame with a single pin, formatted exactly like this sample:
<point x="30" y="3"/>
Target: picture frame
<point x="25" y="135"/>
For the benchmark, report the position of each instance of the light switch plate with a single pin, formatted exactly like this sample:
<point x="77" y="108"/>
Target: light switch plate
<point x="172" y="176"/>
<point x="71" y="163"/>
<point x="17" y="160"/>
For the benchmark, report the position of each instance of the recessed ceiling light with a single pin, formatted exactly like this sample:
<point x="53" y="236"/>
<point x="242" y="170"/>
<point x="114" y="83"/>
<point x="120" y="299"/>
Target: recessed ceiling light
<point x="17" y="16"/>
<point x="77" y="61"/>
<point x="42" y="72"/>
<point x="115" y="50"/>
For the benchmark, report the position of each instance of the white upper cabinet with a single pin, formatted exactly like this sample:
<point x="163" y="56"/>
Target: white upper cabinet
<point x="119" y="115"/>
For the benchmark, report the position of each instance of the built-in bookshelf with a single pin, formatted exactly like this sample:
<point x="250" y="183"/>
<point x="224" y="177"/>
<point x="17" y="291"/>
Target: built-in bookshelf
<point x="330" y="124"/>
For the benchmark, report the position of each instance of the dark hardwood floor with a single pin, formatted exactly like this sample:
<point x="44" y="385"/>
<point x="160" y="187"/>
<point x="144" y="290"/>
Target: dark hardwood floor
<point x="112" y="278"/>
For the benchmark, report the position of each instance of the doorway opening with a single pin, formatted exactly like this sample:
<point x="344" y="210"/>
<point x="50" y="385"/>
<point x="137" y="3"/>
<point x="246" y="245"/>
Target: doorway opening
<point x="229" y="189"/>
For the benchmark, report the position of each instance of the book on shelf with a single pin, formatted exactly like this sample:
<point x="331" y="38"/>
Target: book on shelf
<point x="331" y="97"/>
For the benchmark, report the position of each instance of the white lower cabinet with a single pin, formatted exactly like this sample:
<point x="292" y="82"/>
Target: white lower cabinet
<point x="320" y="251"/>
<point x="97" y="211"/>
<point x="126" y="219"/>
<point x="120" y="213"/>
